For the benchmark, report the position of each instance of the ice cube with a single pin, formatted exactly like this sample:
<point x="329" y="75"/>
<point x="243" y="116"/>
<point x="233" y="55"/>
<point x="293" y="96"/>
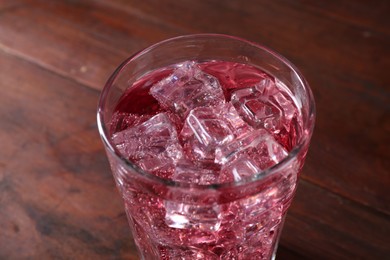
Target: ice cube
<point x="249" y="155"/>
<point x="184" y="216"/>
<point x="152" y="145"/>
<point x="186" y="253"/>
<point x="186" y="88"/>
<point x="207" y="128"/>
<point x="264" y="105"/>
<point x="238" y="169"/>
<point x="234" y="75"/>
<point x="186" y="171"/>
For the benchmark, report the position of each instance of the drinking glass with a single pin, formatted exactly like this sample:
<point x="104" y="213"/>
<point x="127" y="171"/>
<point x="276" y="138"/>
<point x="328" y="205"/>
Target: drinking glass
<point x="236" y="220"/>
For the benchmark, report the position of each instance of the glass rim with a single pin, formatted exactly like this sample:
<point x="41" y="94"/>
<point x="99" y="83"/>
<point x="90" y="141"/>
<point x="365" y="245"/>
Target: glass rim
<point x="104" y="134"/>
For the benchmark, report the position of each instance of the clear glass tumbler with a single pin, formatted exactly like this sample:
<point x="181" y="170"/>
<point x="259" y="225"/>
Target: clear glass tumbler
<point x="235" y="220"/>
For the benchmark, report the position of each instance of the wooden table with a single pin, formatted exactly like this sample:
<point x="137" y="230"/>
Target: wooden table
<point x="57" y="195"/>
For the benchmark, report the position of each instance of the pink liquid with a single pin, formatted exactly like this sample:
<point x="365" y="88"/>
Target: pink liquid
<point x="227" y="122"/>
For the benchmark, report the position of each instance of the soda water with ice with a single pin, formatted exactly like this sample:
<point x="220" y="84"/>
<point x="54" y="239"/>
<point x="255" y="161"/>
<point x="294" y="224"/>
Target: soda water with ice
<point x="207" y="123"/>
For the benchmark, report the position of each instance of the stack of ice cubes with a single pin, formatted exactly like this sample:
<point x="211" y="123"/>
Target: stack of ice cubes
<point x="221" y="140"/>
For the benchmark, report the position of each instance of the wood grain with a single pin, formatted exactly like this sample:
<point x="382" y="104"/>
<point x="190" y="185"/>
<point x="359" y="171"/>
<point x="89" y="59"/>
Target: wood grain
<point x="57" y="197"/>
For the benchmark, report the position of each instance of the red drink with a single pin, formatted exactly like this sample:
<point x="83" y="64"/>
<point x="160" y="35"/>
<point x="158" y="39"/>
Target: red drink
<point x="207" y="123"/>
<point x="206" y="135"/>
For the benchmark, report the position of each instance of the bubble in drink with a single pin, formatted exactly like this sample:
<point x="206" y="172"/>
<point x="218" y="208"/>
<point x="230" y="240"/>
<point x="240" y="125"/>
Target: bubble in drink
<point x="207" y="123"/>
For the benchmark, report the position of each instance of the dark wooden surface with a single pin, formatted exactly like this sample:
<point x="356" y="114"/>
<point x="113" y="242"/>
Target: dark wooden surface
<point x="57" y="196"/>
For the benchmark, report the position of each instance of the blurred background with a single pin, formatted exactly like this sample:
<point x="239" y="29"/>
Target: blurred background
<point x="57" y="197"/>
